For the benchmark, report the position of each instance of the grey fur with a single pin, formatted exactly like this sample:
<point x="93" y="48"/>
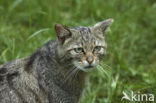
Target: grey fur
<point x="49" y="75"/>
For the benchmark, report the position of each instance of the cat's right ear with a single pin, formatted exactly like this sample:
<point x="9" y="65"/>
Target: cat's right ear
<point x="63" y="32"/>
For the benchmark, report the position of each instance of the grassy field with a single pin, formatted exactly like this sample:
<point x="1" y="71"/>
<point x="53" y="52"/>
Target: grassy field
<point x="130" y="63"/>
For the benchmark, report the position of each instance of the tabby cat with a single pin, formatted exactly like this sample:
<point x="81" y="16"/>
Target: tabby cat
<point x="57" y="71"/>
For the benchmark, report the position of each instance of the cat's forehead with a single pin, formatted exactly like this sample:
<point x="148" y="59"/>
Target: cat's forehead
<point x="83" y="32"/>
<point x="85" y="35"/>
<point x="81" y="29"/>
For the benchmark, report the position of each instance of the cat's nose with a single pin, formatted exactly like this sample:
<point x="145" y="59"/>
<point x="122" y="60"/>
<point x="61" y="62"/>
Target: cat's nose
<point x="90" y="59"/>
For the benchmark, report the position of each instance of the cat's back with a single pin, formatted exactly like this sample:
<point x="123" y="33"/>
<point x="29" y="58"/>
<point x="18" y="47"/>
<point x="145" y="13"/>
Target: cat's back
<point x="13" y="66"/>
<point x="11" y="70"/>
<point x="13" y="81"/>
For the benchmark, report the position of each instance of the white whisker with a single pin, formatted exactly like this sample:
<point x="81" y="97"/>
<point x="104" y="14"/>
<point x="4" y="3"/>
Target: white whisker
<point x="102" y="70"/>
<point x="71" y="73"/>
<point x="107" y="66"/>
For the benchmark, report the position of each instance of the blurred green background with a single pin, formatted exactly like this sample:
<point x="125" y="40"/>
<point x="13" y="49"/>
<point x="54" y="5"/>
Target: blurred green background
<point x="130" y="63"/>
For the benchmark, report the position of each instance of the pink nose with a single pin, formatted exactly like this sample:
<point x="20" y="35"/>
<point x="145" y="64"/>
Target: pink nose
<point x="90" y="59"/>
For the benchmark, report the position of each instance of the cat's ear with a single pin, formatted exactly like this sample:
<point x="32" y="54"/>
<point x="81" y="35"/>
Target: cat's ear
<point x="63" y="32"/>
<point x="102" y="26"/>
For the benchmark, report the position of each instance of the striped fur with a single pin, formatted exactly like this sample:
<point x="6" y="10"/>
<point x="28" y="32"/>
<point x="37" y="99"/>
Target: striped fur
<point x="56" y="72"/>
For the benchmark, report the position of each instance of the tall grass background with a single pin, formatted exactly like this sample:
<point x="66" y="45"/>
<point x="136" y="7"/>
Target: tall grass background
<point x="130" y="63"/>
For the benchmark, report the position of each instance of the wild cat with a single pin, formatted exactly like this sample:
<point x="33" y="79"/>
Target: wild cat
<point x="57" y="71"/>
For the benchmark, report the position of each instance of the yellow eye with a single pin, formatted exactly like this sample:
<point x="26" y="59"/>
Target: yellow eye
<point x="97" y="48"/>
<point x="78" y="50"/>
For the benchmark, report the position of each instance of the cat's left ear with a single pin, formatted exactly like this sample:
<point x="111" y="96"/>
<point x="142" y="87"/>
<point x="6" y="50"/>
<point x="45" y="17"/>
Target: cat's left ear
<point x="63" y="32"/>
<point x="102" y="26"/>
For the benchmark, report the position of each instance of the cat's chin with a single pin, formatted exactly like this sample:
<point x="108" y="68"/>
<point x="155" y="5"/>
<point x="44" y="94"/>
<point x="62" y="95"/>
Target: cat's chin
<point x="87" y="68"/>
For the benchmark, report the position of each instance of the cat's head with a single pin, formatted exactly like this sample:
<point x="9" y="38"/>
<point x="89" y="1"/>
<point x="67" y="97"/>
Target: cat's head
<point x="84" y="47"/>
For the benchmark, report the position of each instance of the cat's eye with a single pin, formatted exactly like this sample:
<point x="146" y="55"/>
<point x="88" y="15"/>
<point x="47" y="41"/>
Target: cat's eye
<point x="78" y="50"/>
<point x="97" y="48"/>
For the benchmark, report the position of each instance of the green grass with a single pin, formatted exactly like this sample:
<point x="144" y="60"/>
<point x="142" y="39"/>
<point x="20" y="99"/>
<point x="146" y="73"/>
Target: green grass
<point x="130" y="63"/>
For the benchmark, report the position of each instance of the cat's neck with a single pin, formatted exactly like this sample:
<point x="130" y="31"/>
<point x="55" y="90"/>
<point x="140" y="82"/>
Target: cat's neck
<point x="72" y="82"/>
<point x="71" y="74"/>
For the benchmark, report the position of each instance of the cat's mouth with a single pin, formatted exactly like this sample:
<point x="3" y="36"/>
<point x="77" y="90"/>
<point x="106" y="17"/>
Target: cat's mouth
<point x="89" y="67"/>
<point x="85" y="68"/>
